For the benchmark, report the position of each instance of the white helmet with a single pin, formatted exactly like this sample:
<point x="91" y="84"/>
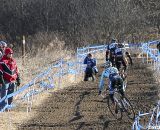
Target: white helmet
<point x="3" y="43"/>
<point x="108" y="64"/>
<point x="113" y="70"/>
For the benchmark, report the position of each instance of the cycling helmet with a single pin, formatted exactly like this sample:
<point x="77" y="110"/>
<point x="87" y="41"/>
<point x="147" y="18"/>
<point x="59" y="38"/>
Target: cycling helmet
<point x="108" y="64"/>
<point x="114" y="70"/>
<point x="120" y="45"/>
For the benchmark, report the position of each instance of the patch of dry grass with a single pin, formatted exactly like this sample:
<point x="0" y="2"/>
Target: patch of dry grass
<point x="35" y="64"/>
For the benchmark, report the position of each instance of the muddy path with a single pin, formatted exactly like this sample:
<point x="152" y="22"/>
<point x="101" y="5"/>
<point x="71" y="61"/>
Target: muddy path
<point x="80" y="108"/>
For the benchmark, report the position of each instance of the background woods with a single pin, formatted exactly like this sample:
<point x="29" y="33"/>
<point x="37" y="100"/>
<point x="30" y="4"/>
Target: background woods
<point x="78" y="22"/>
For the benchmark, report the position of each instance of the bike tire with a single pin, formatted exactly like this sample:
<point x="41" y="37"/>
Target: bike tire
<point x="128" y="108"/>
<point x="124" y="85"/>
<point x="117" y="116"/>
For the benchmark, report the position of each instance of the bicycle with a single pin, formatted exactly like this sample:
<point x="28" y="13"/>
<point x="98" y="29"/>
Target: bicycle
<point x="122" y="105"/>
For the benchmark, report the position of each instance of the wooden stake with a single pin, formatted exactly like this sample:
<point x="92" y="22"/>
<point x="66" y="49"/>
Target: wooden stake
<point x="23" y="50"/>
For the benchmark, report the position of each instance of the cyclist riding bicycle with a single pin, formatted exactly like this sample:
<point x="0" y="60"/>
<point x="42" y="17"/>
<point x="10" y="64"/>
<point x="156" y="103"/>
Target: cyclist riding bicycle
<point x="115" y="81"/>
<point x="120" y="57"/>
<point x="110" y="53"/>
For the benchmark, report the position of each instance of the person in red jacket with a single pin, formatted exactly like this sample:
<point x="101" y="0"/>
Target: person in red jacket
<point x="9" y="76"/>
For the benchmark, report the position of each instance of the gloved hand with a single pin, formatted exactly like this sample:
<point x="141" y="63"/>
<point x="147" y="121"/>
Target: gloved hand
<point x="18" y="81"/>
<point x="99" y="92"/>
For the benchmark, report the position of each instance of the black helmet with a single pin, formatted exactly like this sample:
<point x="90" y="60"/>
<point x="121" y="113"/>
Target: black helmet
<point x="120" y="45"/>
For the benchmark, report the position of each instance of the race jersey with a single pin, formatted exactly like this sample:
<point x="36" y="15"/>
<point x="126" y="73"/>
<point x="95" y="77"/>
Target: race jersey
<point x="120" y="52"/>
<point x="111" y="48"/>
<point x="107" y="73"/>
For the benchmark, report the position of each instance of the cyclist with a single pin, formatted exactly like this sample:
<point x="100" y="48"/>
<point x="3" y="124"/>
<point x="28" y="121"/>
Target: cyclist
<point x="91" y="65"/>
<point x="120" y="57"/>
<point x="115" y="81"/>
<point x="110" y="53"/>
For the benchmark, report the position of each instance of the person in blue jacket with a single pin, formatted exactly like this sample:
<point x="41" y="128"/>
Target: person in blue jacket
<point x="90" y="68"/>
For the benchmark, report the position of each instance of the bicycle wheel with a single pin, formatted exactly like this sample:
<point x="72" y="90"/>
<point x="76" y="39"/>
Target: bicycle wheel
<point x="124" y="85"/>
<point x="111" y="107"/>
<point x="128" y="108"/>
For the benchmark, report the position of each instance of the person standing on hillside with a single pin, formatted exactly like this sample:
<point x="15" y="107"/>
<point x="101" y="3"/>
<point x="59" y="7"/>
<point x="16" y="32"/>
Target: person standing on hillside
<point x="9" y="76"/>
<point x="91" y="67"/>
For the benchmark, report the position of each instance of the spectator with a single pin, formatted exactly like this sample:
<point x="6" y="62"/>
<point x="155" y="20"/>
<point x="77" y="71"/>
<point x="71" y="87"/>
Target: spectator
<point x="3" y="46"/>
<point x="158" y="47"/>
<point x="91" y="63"/>
<point x="9" y="76"/>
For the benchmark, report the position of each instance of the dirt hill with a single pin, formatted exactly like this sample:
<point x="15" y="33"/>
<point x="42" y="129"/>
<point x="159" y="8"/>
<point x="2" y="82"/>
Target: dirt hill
<point x="80" y="108"/>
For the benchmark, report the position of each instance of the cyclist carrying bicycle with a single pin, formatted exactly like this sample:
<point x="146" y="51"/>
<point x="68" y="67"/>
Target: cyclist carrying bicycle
<point x="115" y="80"/>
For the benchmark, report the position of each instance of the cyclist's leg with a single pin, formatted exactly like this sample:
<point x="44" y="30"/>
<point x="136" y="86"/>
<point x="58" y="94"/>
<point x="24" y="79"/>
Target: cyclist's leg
<point x="120" y="84"/>
<point x="118" y="64"/>
<point x="107" y="55"/>
<point x="111" y="94"/>
<point x="124" y="65"/>
<point x="112" y="60"/>
<point x="111" y="91"/>
<point x="111" y="97"/>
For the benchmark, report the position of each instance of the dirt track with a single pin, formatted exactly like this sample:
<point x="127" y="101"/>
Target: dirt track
<point x="80" y="108"/>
